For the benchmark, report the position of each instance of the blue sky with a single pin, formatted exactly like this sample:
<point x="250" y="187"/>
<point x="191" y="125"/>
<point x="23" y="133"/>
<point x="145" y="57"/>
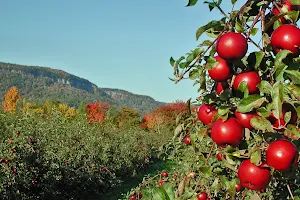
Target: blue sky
<point x="115" y="44"/>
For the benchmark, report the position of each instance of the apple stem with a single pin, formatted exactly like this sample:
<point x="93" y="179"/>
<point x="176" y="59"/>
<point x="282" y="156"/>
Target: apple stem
<point x="262" y="14"/>
<point x="276" y="5"/>
<point x="210" y="152"/>
<point x="255" y="44"/>
<point x="288" y="187"/>
<point x="253" y="24"/>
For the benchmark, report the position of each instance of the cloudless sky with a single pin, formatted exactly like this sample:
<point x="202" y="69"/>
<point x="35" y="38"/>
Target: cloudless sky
<point x="123" y="44"/>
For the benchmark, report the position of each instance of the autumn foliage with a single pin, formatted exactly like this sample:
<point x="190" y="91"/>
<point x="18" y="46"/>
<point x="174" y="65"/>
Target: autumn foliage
<point x="11" y="100"/>
<point x="163" y="115"/>
<point x="96" y="112"/>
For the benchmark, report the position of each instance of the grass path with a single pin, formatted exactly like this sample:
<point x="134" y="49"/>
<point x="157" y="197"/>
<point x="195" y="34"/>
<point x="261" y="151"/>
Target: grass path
<point x="131" y="182"/>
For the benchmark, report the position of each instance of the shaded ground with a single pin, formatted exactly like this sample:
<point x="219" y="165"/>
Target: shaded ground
<point x="117" y="193"/>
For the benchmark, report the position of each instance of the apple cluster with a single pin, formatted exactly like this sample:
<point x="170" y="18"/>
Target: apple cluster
<point x="281" y="154"/>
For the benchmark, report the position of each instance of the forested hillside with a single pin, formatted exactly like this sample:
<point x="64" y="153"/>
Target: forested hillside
<point x="38" y="84"/>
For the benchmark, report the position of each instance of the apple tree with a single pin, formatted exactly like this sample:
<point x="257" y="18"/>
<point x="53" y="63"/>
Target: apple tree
<point x="243" y="140"/>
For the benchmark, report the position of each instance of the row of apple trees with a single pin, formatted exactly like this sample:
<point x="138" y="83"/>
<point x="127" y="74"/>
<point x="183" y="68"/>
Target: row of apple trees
<point x="243" y="140"/>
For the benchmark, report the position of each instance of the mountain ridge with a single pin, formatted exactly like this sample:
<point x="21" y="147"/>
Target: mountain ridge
<point x="37" y="83"/>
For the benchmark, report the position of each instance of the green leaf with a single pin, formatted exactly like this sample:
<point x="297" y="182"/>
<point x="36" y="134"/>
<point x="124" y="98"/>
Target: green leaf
<point x="251" y="102"/>
<point x="294" y="75"/>
<point x="205" y="43"/>
<point x="211" y="63"/>
<point x="256" y="157"/>
<point x="192" y="2"/>
<point x="292" y="132"/>
<point x="194" y="74"/>
<point x="259" y="56"/>
<point x="162" y="192"/>
<point x="197" y="52"/>
<point x="265" y="87"/>
<point x="178" y="130"/>
<point x="280" y="56"/>
<point x="211" y="5"/>
<point x="277" y="97"/>
<point x="295" y="90"/>
<point x="295" y="2"/>
<point x="183" y="65"/>
<point x="261" y="123"/>
<point x="211" y="33"/>
<point x="233" y="2"/>
<point x="212" y="24"/>
<point x="239" y="28"/>
<point x="172" y="61"/>
<point x="294" y="15"/>
<point x="223" y="110"/>
<point x="213" y="50"/>
<point x="207" y="171"/>
<point x="243" y="87"/>
<point x="202" y="80"/>
<point x="263" y="112"/>
<point x="190" y="58"/>
<point x="231" y="189"/>
<point x="224" y="181"/>
<point x="279" y="65"/>
<point x="254" y="31"/>
<point x="215" y="185"/>
<point x="229" y="159"/>
<point x="279" y="73"/>
<point x="170" y="190"/>
<point x="201" y="133"/>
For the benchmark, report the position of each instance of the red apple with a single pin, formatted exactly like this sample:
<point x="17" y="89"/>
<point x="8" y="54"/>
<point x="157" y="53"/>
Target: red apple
<point x="251" y="78"/>
<point x="286" y="37"/>
<point x="228" y="132"/>
<point x="132" y="197"/>
<point x="282" y="155"/>
<point x="139" y="195"/>
<point x="219" y="156"/>
<point x="253" y="177"/>
<point x="244" y="118"/>
<point x="221" y="86"/>
<point x="206" y="113"/>
<point x="279" y="124"/>
<point x="104" y="169"/>
<point x="164" y="174"/>
<point x="232" y="46"/>
<point x="286" y="6"/>
<point x="187" y="140"/>
<point x="202" y="196"/>
<point x="238" y="187"/>
<point x="161" y="182"/>
<point x="222" y="71"/>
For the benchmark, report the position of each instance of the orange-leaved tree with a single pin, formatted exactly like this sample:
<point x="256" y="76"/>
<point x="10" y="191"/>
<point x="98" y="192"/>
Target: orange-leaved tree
<point x="164" y="115"/>
<point x="96" y="111"/>
<point x="11" y="100"/>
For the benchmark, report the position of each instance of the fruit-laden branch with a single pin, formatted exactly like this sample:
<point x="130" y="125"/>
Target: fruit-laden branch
<point x="179" y="78"/>
<point x="198" y="58"/>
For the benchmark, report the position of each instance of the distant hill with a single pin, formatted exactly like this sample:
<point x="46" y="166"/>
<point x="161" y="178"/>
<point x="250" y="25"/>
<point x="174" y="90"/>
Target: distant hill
<point x="38" y="84"/>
